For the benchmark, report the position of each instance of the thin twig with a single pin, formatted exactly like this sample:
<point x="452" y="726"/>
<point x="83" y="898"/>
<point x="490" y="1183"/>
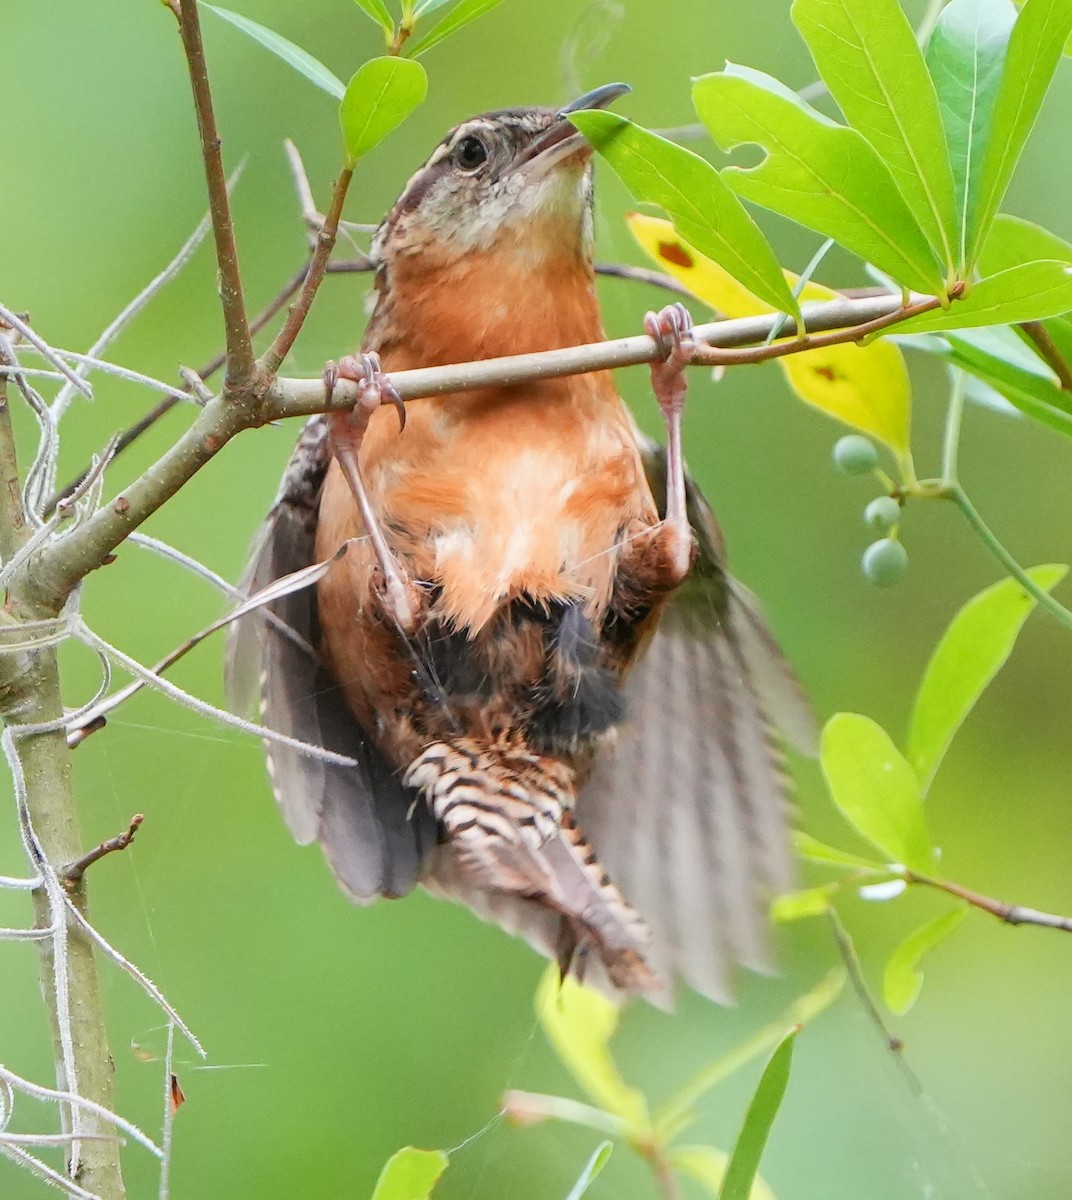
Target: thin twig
<point x="643" y="275"/>
<point x="145" y="423"/>
<point x="58" y="567"/>
<point x="138" y="304"/>
<point x="14" y="321"/>
<point x="1039" y="335"/>
<point x="856" y="319"/>
<point x="662" y="1169"/>
<point x="311" y="215"/>
<point x="325" y="242"/>
<point x="711" y="356"/>
<point x="353" y="266"/>
<point x="851" y="961"/>
<point x="120" y="842"/>
<point x="1011" y="914"/>
<point x="240" y="358"/>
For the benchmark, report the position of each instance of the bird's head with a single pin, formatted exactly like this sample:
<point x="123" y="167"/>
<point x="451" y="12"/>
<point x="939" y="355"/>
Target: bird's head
<point x="516" y="181"/>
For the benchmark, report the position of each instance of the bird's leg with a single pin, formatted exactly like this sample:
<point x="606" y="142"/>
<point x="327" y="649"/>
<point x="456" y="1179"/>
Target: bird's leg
<point x="671" y="328"/>
<point x="347" y="432"/>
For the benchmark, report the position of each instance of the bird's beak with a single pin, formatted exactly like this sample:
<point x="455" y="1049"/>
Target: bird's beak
<point x="561" y="140"/>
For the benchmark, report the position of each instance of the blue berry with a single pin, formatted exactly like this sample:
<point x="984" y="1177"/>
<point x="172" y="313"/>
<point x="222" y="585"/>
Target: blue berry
<point x="855" y="455"/>
<point x="884" y="562"/>
<point x="882" y="513"/>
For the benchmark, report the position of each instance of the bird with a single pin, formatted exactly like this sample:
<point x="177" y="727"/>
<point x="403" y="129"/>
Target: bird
<point x="560" y="707"/>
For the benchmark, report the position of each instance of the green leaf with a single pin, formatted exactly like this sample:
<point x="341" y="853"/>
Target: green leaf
<point x="1000" y="359"/>
<point x="868" y="57"/>
<point x="903" y="978"/>
<point x="707" y="1166"/>
<point x="677" y="1111"/>
<point x="744" y="1161"/>
<point x="1012" y="242"/>
<point x="1026" y="382"/>
<point x="815" y="172"/>
<point x="1035" y="49"/>
<point x="456" y="19"/>
<point x="410" y="1174"/>
<point x="973" y="649"/>
<point x="876" y="789"/>
<point x="593" y="1167"/>
<point x="425" y="7"/>
<point x="965" y="56"/>
<point x="703" y="209"/>
<point x="1029" y="292"/>
<point x="579" y="1023"/>
<point x="811" y="902"/>
<point x="380" y="97"/>
<point x="377" y="10"/>
<point x="808" y="847"/>
<point x="293" y="56"/>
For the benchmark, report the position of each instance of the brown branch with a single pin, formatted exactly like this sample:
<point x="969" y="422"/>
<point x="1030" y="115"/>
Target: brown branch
<point x="1011" y="914"/>
<point x="1039" y="335"/>
<point x="269" y="362"/>
<point x="662" y="1169"/>
<point x="75" y="871"/>
<point x="59" y="566"/>
<point x="352" y="266"/>
<point x="711" y="356"/>
<point x="643" y="275"/>
<point x="240" y="358"/>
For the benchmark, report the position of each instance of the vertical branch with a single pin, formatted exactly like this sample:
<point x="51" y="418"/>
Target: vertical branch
<point x="240" y="360"/>
<point x="30" y="696"/>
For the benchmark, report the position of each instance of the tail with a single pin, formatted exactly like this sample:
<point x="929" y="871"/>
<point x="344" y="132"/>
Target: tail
<point x="507" y="816"/>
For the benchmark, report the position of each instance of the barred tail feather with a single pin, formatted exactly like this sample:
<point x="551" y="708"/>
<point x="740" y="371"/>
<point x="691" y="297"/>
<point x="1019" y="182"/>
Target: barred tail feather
<point x="505" y="812"/>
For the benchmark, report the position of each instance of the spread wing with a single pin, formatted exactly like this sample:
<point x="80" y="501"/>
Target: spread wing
<point x="688" y="809"/>
<point x="360" y="815"/>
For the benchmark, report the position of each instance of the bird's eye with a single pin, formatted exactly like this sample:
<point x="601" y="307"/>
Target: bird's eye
<point x="470" y="153"/>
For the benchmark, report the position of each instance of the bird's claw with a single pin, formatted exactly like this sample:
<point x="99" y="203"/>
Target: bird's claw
<point x="374" y="386"/>
<point x="671" y="329"/>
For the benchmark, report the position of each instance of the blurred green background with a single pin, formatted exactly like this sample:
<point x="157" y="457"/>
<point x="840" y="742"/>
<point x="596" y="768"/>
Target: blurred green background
<point x="335" y="1034"/>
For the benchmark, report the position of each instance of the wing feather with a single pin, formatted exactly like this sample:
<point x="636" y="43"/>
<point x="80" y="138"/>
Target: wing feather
<point x="688" y="807"/>
<point x="371" y="832"/>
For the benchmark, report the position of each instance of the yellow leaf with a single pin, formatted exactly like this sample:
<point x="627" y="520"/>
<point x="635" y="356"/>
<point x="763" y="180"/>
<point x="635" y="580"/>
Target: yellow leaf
<point x="866" y="387"/>
<point x="579" y="1023"/>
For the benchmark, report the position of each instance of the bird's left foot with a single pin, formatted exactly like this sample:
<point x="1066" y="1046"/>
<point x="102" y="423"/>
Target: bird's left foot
<point x="374" y="388"/>
<point x="671" y="328"/>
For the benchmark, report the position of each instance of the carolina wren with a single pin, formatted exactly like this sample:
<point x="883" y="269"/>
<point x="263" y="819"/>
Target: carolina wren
<point x="559" y="716"/>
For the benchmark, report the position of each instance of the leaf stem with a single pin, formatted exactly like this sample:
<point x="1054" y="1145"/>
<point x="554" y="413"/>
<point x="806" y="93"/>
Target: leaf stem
<point x="1045" y="600"/>
<point x="951" y="437"/>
